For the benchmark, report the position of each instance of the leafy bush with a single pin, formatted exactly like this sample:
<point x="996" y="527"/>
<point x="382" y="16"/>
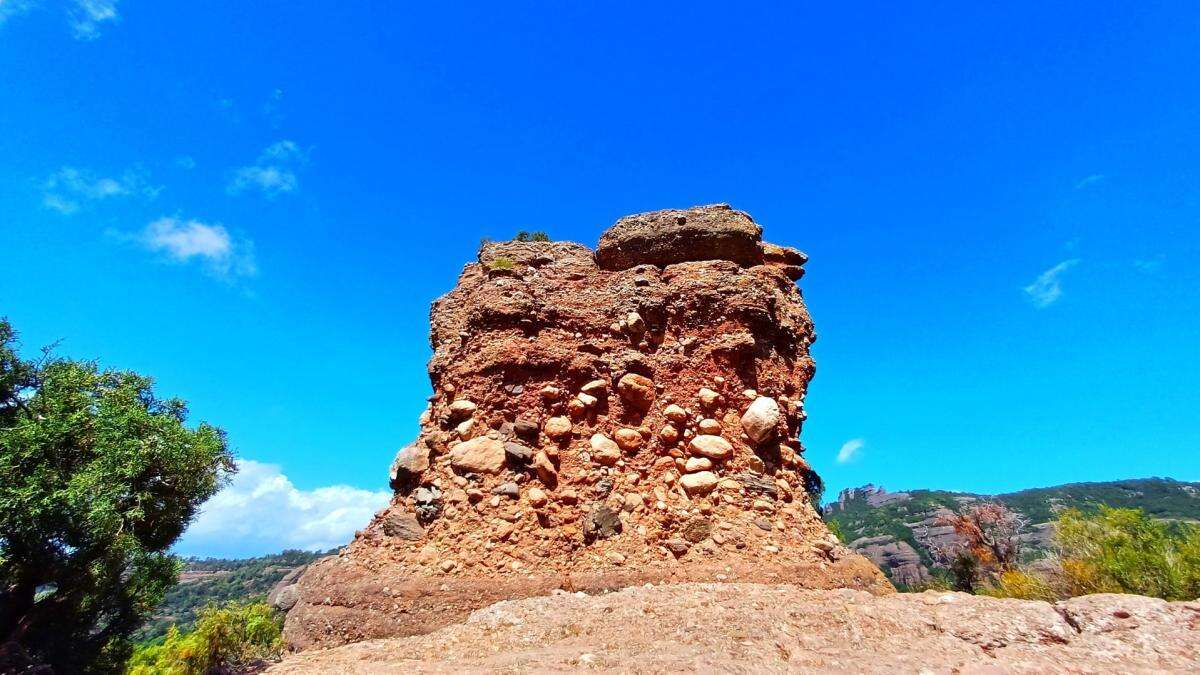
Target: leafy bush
<point x="502" y="264"/>
<point x="1126" y="551"/>
<point x="1111" y="551"/>
<point x="226" y="638"/>
<point x="531" y="236"/>
<point x="836" y="530"/>
<point x="1021" y="584"/>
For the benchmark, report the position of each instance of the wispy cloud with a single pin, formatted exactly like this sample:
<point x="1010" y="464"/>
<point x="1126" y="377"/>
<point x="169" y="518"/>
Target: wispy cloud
<point x="1150" y="265"/>
<point x="192" y="241"/>
<point x="850" y="450"/>
<point x="70" y="189"/>
<point x="1088" y="181"/>
<point x="274" y="172"/>
<point x="85" y="17"/>
<point x="11" y="8"/>
<point x="185" y="162"/>
<point x="1047" y="288"/>
<point x="261" y="511"/>
<point x="88" y="15"/>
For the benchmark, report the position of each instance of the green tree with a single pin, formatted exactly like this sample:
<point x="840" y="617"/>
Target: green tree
<point x="98" y="477"/>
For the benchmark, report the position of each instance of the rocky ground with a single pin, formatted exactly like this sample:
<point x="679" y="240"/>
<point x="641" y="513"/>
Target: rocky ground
<point x="764" y="628"/>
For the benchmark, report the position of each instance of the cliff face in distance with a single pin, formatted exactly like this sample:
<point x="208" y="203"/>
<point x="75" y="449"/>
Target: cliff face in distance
<point x="599" y="420"/>
<point x="900" y="531"/>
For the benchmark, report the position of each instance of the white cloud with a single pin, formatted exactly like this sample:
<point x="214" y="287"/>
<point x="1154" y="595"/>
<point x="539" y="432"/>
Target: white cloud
<point x="87" y="15"/>
<point x="70" y="189"/>
<point x="211" y="245"/>
<point x="1150" y="265"/>
<point x="273" y="173"/>
<point x="261" y="511"/>
<point x="850" y="450"/>
<point x="10" y="8"/>
<point x="271" y="180"/>
<point x="185" y="162"/>
<point x="1047" y="288"/>
<point x="1088" y="181"/>
<point x="84" y="16"/>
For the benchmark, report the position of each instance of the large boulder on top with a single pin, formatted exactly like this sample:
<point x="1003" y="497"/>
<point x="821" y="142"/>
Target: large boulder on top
<point x="715" y="232"/>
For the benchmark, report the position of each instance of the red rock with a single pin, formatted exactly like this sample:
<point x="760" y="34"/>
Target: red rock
<point x="712" y="312"/>
<point x="637" y="391"/>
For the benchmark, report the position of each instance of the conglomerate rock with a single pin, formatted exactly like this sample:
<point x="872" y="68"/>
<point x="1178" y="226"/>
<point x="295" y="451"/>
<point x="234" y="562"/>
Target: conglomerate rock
<point x="598" y="420"/>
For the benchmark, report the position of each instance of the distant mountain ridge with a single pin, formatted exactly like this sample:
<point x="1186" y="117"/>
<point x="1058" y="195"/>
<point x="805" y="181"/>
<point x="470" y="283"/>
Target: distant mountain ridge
<point x="899" y="531"/>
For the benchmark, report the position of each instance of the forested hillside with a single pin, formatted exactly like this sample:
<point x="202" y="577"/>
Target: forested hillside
<point x="219" y="580"/>
<point x="901" y="532"/>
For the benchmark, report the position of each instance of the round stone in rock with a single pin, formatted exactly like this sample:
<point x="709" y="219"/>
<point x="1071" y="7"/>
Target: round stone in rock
<point x="595" y="388"/>
<point x="708" y="397"/>
<point x="403" y="526"/>
<point x="537" y="497"/>
<point x="557" y="427"/>
<point x="677" y="547"/>
<point x="462" y="408"/>
<point x="713" y="447"/>
<point x="675" y="413"/>
<point x="629" y="439"/>
<point x="637" y="391"/>
<point x="635" y="324"/>
<point x="669" y="435"/>
<point x="695" y="464"/>
<point x="576" y="407"/>
<point x="699" y="483"/>
<point x="478" y="455"/>
<point x="408" y="466"/>
<point x="633" y="501"/>
<point x="526" y="429"/>
<point x="510" y="490"/>
<point x="605" y="450"/>
<point x="517" y="454"/>
<point x="465" y="429"/>
<point x="587" y="399"/>
<point x="761" y="418"/>
<point x="710" y="426"/>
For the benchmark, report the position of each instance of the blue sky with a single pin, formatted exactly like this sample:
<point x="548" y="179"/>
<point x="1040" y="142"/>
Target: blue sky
<point x="256" y="202"/>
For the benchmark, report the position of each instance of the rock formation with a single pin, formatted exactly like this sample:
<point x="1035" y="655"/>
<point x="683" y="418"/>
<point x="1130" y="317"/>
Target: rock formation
<point x="599" y="420"/>
<point x="753" y="628"/>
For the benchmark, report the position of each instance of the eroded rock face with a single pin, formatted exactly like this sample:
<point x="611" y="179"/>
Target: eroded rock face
<point x="587" y="408"/>
<point x="898" y="557"/>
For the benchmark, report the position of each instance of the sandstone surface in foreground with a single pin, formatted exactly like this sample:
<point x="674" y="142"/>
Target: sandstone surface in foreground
<point x="760" y="628"/>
